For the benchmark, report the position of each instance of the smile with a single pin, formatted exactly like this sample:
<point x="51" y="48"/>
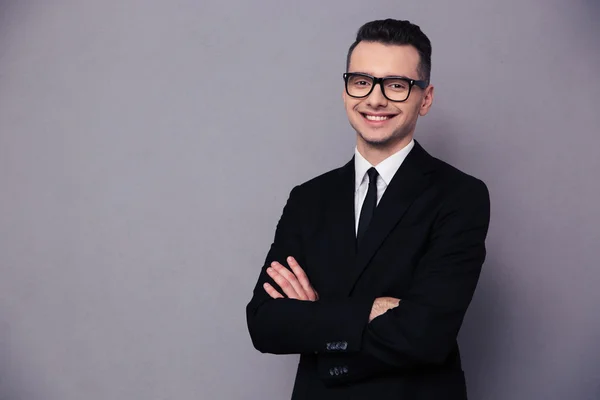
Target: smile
<point x="377" y="118"/>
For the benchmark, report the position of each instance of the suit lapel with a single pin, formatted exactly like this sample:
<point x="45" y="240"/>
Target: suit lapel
<point x="409" y="181"/>
<point x="341" y="230"/>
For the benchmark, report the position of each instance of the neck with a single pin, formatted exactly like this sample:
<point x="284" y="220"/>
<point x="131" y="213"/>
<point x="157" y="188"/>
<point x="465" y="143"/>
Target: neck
<point x="375" y="153"/>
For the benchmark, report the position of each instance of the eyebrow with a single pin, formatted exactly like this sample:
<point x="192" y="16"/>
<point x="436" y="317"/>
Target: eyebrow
<point x="385" y="76"/>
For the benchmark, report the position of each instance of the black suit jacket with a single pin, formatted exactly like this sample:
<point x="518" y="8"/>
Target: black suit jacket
<point x="425" y="246"/>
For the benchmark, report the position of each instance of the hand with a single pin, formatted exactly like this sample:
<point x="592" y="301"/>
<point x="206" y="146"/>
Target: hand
<point x="381" y="305"/>
<point x="294" y="285"/>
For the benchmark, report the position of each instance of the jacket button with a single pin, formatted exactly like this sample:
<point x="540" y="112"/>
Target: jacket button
<point x="344" y="345"/>
<point x="336" y="370"/>
<point x="345" y="369"/>
<point x="331" y="372"/>
<point x="328" y="346"/>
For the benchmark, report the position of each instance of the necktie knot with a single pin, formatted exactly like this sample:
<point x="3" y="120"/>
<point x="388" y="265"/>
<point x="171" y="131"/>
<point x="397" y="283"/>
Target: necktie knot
<point x="373" y="174"/>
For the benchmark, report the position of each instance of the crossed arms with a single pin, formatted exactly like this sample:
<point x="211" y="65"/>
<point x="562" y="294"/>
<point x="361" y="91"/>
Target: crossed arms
<point x="361" y="336"/>
<point x="295" y="285"/>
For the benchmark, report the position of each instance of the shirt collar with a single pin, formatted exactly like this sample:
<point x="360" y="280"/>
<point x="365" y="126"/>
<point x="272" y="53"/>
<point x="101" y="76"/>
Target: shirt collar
<point x="386" y="169"/>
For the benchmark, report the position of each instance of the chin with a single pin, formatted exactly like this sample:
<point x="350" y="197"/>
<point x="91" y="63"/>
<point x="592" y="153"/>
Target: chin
<point x="376" y="140"/>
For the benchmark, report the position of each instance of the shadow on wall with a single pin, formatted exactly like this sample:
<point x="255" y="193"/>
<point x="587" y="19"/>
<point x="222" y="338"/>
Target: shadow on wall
<point x="7" y="12"/>
<point x="585" y="377"/>
<point x="588" y="27"/>
<point x="592" y="6"/>
<point x="7" y="392"/>
<point x="481" y="336"/>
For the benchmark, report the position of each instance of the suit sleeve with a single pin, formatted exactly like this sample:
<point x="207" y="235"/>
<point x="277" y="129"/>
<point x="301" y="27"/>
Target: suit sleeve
<point x="289" y="326"/>
<point x="423" y="329"/>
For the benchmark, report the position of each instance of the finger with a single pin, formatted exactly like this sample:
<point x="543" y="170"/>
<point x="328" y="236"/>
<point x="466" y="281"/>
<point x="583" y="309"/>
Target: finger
<point x="272" y="292"/>
<point x="283" y="283"/>
<point x="292" y="279"/>
<point x="303" y="279"/>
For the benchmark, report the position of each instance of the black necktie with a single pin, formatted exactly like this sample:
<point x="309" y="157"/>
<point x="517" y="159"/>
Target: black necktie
<point x="369" y="205"/>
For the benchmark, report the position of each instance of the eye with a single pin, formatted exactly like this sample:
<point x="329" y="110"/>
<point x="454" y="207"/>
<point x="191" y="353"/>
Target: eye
<point x="397" y="85"/>
<point x="361" y="82"/>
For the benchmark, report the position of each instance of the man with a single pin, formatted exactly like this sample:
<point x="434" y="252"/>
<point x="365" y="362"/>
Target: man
<point x="374" y="264"/>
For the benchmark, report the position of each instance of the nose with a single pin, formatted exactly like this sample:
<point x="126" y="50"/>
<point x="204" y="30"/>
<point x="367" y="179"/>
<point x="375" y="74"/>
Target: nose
<point x="376" y="98"/>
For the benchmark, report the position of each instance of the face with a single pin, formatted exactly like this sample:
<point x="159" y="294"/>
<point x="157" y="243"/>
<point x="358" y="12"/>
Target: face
<point x="380" y="123"/>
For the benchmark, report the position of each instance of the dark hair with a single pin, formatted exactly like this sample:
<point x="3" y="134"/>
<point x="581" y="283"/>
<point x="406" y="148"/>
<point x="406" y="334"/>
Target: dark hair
<point x="396" y="32"/>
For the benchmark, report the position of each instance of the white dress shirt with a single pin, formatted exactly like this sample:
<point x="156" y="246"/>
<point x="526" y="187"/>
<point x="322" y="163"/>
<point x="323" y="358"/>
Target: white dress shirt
<point x="386" y="170"/>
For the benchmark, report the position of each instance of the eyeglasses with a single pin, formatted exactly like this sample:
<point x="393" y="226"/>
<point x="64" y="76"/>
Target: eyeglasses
<point x="394" y="88"/>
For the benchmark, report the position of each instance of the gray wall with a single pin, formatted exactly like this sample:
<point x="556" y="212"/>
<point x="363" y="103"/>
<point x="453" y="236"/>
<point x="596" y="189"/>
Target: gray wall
<point x="147" y="149"/>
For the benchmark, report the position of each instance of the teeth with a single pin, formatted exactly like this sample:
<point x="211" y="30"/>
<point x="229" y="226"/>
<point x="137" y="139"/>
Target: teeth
<point x="376" y="117"/>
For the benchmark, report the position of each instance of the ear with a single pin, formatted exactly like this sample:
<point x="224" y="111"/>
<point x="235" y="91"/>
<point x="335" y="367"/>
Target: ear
<point x="427" y="101"/>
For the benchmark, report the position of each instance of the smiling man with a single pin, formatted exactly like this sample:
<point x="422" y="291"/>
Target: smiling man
<point x="374" y="264"/>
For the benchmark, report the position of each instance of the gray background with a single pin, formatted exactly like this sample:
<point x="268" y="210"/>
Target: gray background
<point x="148" y="147"/>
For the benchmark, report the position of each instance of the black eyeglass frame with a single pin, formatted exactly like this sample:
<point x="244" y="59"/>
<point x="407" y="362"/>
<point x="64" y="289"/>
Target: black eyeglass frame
<point x="376" y="81"/>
